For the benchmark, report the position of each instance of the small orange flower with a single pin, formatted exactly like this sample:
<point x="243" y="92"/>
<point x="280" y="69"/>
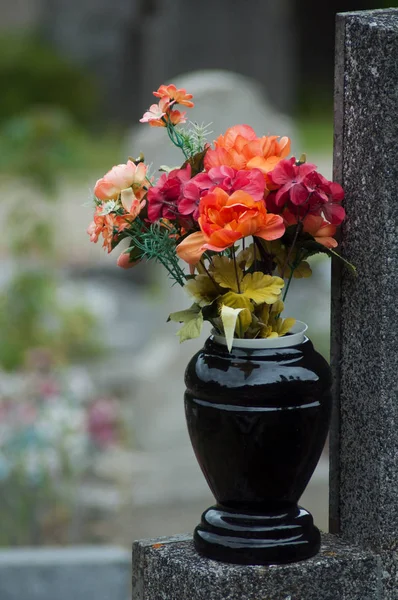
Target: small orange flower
<point x="113" y="227"/>
<point x="240" y="148"/>
<point x="173" y="116"/>
<point x="226" y="219"/>
<point x="177" y="96"/>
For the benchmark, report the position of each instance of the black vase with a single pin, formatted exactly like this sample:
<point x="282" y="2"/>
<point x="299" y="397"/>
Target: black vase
<point x="258" y="420"/>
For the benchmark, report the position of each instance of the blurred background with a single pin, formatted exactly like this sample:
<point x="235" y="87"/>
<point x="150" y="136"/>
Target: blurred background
<point x="93" y="445"/>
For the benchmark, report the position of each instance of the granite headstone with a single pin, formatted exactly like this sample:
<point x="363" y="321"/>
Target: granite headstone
<point x="364" y="437"/>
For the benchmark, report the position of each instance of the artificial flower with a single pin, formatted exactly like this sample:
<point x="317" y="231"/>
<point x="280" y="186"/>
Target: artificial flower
<point x="290" y="178"/>
<point x="321" y="230"/>
<point x="121" y="177"/>
<point x="174" y="95"/>
<point x="156" y="112"/>
<point x="304" y="191"/>
<point x="163" y="198"/>
<point x="240" y="148"/>
<point x="130" y="203"/>
<point x="124" y="261"/>
<point x="228" y="179"/>
<point x="226" y="219"/>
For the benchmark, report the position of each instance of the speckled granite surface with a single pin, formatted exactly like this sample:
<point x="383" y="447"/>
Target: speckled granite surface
<point x="364" y="438"/>
<point x="170" y="569"/>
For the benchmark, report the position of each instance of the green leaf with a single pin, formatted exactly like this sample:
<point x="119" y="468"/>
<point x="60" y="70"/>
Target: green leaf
<point x="313" y="247"/>
<point x="184" y="316"/>
<point x="191" y="329"/>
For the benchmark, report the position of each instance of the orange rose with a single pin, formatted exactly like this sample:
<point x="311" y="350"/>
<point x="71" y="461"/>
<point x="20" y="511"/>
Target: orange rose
<point x="240" y="148"/>
<point x="226" y="219"/>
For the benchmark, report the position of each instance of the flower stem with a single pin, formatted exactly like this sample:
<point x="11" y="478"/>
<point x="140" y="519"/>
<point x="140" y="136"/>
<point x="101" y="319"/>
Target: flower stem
<point x="236" y="269"/>
<point x="208" y="274"/>
<point x="299" y="229"/>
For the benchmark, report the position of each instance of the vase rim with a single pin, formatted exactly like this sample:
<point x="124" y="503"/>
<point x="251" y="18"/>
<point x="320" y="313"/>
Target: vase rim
<point x="297" y="336"/>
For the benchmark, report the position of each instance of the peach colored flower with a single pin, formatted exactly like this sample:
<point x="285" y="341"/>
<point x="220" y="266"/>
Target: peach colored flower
<point x="119" y="178"/>
<point x="156" y="112"/>
<point x="226" y="219"/>
<point x="240" y="148"/>
<point x="124" y="261"/>
<point x="110" y="226"/>
<point x="321" y="230"/>
<point x="179" y="96"/>
<point x="316" y="226"/>
<point x="173" y="116"/>
<point x="95" y="228"/>
<point x="130" y="203"/>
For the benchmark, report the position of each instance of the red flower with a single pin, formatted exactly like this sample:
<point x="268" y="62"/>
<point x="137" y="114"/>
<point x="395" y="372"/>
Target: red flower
<point x="290" y="179"/>
<point x="163" y="198"/>
<point x="304" y="191"/>
<point x="228" y="179"/>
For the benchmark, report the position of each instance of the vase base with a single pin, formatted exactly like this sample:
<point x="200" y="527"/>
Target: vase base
<point x="246" y="538"/>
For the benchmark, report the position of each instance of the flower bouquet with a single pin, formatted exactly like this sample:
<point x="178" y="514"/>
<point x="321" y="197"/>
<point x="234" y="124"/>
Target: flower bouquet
<point x="244" y="217"/>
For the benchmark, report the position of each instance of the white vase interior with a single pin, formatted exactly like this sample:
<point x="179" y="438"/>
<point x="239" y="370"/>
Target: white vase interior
<point x="295" y="336"/>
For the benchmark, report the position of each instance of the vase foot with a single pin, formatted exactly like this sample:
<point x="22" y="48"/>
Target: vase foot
<point x="246" y="538"/>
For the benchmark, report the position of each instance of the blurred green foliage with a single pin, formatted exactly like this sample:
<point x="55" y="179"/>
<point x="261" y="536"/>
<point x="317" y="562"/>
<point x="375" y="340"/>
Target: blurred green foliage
<point x="36" y="148"/>
<point x="32" y="317"/>
<point x="315" y="134"/>
<point x="32" y="73"/>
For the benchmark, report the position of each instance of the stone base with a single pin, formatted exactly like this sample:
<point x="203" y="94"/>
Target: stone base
<point x="171" y="569"/>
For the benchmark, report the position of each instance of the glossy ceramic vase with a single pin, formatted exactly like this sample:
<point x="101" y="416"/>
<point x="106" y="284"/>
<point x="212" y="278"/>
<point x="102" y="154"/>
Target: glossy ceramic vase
<point x="258" y="418"/>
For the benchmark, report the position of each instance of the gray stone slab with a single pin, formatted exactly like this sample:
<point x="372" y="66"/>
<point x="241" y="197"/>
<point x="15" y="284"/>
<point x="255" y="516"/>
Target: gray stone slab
<point x="76" y="572"/>
<point x="364" y="437"/>
<point x="170" y="569"/>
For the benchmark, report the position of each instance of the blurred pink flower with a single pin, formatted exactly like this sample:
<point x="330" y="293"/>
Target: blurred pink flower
<point x="102" y="421"/>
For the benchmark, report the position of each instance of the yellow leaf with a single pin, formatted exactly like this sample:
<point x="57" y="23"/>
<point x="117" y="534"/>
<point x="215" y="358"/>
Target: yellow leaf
<point x="236" y="301"/>
<point x="245" y="257"/>
<point x="277" y="307"/>
<point x="224" y="272"/>
<point x="303" y="270"/>
<point x="202" y="290"/>
<point x="184" y="316"/>
<point x="191" y="329"/>
<point x="285" y="325"/>
<point x="263" y="312"/>
<point x="261" y="288"/>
